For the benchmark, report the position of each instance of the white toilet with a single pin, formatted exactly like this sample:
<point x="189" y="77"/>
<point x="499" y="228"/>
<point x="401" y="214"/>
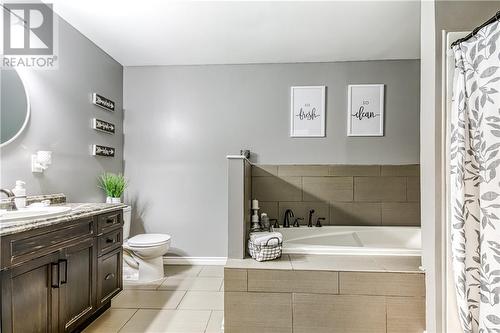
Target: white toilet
<point x="144" y="253"/>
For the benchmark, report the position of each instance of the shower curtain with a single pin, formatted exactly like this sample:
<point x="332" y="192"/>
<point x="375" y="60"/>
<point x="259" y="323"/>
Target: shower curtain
<point x="475" y="180"/>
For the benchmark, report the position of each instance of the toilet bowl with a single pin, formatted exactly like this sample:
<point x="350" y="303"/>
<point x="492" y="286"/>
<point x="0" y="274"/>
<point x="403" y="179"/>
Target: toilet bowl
<point x="144" y="253"/>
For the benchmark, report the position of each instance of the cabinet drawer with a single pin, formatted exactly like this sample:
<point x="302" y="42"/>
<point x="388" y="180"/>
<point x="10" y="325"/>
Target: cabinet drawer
<point x="109" y="276"/>
<point x="36" y="243"/>
<point x="109" y="241"/>
<point x="109" y="221"/>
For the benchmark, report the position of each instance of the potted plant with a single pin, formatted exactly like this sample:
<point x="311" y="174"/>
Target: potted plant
<point x="113" y="185"/>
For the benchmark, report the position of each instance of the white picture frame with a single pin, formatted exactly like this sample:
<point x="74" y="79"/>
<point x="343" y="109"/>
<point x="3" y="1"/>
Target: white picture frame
<point x="307" y="111"/>
<point x="365" y="110"/>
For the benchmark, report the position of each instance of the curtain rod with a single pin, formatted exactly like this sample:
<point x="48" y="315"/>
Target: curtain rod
<point x="476" y="30"/>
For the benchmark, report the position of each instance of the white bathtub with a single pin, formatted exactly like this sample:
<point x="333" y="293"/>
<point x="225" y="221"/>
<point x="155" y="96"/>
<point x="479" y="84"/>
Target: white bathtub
<point x="404" y="241"/>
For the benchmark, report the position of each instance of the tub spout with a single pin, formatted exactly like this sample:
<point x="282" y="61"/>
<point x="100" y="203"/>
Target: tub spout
<point x="310" y="221"/>
<point x="286" y="219"/>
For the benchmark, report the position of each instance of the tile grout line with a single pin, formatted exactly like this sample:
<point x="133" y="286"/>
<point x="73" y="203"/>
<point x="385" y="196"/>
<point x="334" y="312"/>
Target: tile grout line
<point x="338" y="283"/>
<point x="208" y="321"/>
<point x="158" y="287"/>
<point x="247" y="280"/>
<point x="180" y="301"/>
<point x="353" y="196"/>
<point x="385" y="301"/>
<point x="136" y="310"/>
<point x="406" y="189"/>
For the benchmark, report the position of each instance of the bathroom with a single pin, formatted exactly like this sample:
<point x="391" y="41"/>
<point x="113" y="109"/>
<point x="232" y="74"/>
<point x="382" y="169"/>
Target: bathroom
<point x="149" y="139"/>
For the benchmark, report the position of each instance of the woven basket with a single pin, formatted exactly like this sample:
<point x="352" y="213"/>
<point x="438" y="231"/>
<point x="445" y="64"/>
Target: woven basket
<point x="265" y="252"/>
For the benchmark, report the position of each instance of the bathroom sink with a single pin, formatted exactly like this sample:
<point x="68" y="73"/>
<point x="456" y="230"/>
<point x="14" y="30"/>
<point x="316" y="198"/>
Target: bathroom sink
<point x="32" y="213"/>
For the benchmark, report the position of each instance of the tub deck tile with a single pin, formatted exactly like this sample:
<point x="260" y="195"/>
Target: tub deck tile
<point x="334" y="263"/>
<point x="295" y="281"/>
<point x="249" y="263"/>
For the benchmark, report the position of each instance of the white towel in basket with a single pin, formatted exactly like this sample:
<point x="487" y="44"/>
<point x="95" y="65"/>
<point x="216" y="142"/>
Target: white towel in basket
<point x="266" y="238"/>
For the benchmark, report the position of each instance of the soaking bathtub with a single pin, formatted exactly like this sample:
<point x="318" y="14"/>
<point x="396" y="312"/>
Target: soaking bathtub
<point x="404" y="241"/>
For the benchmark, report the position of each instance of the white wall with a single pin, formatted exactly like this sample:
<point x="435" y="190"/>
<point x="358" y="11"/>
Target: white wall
<point x="429" y="169"/>
<point x="181" y="121"/>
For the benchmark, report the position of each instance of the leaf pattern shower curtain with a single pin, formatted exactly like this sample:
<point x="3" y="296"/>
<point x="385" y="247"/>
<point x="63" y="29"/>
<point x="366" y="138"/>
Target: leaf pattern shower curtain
<point x="475" y="180"/>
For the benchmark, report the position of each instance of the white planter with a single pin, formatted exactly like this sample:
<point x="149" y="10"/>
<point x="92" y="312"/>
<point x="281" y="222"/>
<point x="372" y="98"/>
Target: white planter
<point x="113" y="200"/>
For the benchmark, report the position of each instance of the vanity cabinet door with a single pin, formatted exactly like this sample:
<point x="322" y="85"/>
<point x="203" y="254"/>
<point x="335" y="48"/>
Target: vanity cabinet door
<point x="30" y="296"/>
<point x="109" y="276"/>
<point x="77" y="268"/>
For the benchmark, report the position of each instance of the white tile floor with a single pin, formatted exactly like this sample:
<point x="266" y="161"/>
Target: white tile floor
<point x="189" y="299"/>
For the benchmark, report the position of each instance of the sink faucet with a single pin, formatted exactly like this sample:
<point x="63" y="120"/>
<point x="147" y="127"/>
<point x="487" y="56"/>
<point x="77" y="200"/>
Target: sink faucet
<point x="286" y="219"/>
<point x="10" y="195"/>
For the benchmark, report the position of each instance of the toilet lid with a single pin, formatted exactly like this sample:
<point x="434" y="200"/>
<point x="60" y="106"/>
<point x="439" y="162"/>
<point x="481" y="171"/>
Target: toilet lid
<point x="146" y="240"/>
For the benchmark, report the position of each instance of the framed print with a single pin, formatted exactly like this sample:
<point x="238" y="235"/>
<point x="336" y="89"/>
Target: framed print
<point x="365" y="110"/>
<point x="307" y="111"/>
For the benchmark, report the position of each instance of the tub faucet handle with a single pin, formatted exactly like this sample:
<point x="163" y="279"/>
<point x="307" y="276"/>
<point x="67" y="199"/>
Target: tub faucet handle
<point x="296" y="223"/>
<point x="276" y="225"/>
<point x="318" y="221"/>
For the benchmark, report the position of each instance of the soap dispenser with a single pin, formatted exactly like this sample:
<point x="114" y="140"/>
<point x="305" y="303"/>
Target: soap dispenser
<point x="19" y="194"/>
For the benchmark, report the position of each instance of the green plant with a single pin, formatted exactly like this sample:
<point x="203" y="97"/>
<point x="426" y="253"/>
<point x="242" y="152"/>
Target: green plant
<point x="113" y="184"/>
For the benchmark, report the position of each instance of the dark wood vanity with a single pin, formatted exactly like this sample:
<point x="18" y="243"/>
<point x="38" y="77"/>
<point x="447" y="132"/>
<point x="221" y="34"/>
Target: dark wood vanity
<point x="59" y="277"/>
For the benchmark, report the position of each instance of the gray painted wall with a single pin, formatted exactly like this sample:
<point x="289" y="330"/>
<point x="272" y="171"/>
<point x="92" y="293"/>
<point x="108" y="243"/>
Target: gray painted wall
<point x="180" y="122"/>
<point x="61" y="113"/>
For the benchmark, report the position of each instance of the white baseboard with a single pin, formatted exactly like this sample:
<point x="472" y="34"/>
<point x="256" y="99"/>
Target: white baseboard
<point x="206" y="261"/>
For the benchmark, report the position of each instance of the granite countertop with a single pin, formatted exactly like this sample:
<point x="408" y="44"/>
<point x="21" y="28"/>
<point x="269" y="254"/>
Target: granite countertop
<point x="78" y="210"/>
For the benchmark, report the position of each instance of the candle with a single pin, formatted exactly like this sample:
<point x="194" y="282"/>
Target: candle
<point x="255" y="204"/>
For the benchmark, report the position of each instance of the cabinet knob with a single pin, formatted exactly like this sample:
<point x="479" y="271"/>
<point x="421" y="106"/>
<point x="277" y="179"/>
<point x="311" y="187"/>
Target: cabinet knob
<point x="110" y="240"/>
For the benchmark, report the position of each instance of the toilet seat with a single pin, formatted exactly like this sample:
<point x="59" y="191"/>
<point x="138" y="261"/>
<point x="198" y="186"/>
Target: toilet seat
<point x="148" y="240"/>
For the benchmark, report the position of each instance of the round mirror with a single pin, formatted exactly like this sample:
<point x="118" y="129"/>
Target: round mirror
<point x="14" y="108"/>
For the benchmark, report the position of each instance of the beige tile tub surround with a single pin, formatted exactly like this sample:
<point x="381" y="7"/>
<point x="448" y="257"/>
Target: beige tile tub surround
<point x="338" y="313"/>
<point x="342" y="194"/>
<point x="389" y="284"/>
<point x="264" y="280"/>
<point x="235" y="279"/>
<point x="257" y="312"/>
<point x="380" y="189"/>
<point x="405" y="314"/>
<point x="375" y="294"/>
<point x="327" y="189"/>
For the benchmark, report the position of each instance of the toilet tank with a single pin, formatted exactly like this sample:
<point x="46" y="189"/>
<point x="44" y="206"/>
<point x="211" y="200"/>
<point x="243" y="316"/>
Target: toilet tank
<point x="127" y="218"/>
